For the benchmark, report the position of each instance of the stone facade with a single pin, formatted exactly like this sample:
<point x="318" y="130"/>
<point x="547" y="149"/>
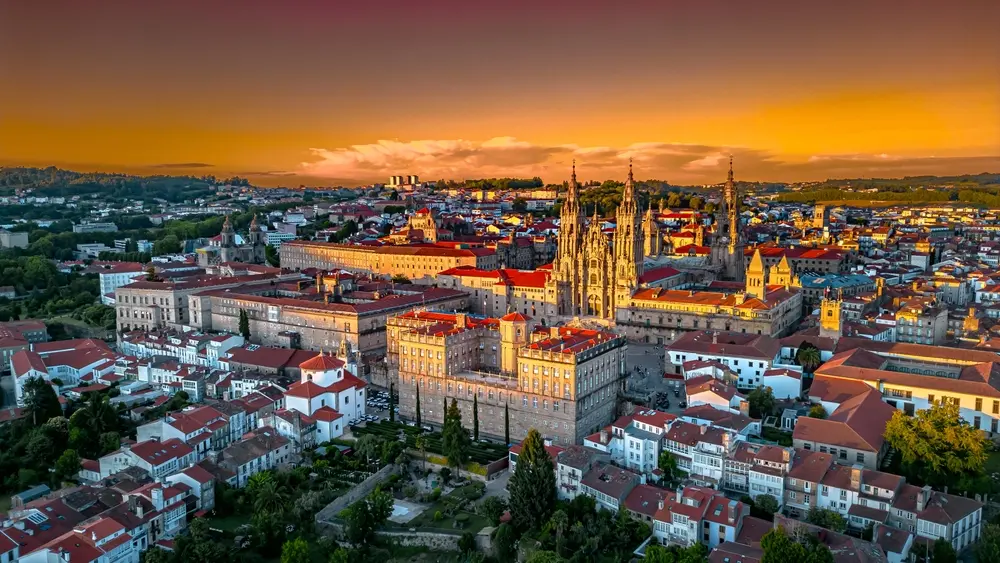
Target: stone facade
<point x="562" y="381"/>
<point x="418" y="263"/>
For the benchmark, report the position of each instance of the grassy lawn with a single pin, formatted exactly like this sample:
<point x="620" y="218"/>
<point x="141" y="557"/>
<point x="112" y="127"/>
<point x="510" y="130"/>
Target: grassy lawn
<point x="474" y="522"/>
<point x="229" y="523"/>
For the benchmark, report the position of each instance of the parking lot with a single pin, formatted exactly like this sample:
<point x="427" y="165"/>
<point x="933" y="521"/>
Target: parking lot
<point x="376" y="407"/>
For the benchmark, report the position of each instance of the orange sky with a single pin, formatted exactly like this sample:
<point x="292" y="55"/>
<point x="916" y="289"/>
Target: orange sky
<point x="329" y="92"/>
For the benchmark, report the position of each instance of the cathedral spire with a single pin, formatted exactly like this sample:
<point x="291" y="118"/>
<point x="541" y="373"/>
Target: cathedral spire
<point x="730" y="168"/>
<point x="629" y="192"/>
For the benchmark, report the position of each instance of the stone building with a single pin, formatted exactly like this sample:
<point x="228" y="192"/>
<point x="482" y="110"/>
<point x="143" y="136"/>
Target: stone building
<point x="419" y="263"/>
<point x="226" y="247"/>
<point x="728" y="242"/>
<point x="563" y="381"/>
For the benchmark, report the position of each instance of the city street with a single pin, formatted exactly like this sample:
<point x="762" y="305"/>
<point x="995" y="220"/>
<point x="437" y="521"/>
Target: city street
<point x="648" y="358"/>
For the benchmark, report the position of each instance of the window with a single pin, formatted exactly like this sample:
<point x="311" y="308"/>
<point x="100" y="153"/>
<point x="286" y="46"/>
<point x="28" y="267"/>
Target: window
<point x="979" y="404"/>
<point x="860" y="457"/>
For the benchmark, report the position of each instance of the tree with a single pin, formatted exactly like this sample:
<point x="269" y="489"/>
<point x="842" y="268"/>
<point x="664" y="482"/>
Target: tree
<point x="271" y="255"/>
<point x="244" y="325"/>
<point x="533" y="486"/>
<point x="937" y="445"/>
<point x="505" y="542"/>
<point x="421" y="444"/>
<point x="475" y="417"/>
<point x="68" y="464"/>
<point x="40" y="401"/>
<point x="761" y="402"/>
<point x="109" y="442"/>
<point x="400" y="278"/>
<point x="542" y="556"/>
<point x="817" y="411"/>
<point x="943" y="552"/>
<point x="658" y="554"/>
<point x="668" y="465"/>
<point x="492" y="508"/>
<point x="369" y="446"/>
<point x="779" y="547"/>
<point x="454" y="438"/>
<point x="295" y="551"/>
<point x="467" y="543"/>
<point x="364" y="517"/>
<point x="506" y="425"/>
<point x="826" y="518"/>
<point x="808" y="356"/>
<point x="559" y="523"/>
<point x="417" y="408"/>
<point x="988" y="547"/>
<point x="267" y="494"/>
<point x="169" y="244"/>
<point x="520" y="205"/>
<point x="392" y="403"/>
<point x="766" y="503"/>
<point x="151" y="273"/>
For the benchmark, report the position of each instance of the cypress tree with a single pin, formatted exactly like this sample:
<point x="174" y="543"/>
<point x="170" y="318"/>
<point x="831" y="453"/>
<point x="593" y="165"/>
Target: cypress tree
<point x="244" y="325"/>
<point x="506" y="425"/>
<point x="418" y="406"/>
<point x="392" y="403"/>
<point x="454" y="438"/>
<point x="533" y="485"/>
<point x="475" y="417"/>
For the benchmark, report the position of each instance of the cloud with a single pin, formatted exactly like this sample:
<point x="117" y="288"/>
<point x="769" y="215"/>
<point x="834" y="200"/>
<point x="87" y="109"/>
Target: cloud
<point x="673" y="162"/>
<point x="183" y="165"/>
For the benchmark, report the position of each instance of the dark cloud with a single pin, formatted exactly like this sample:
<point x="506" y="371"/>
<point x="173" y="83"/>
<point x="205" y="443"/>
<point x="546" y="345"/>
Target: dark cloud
<point x="181" y="165"/>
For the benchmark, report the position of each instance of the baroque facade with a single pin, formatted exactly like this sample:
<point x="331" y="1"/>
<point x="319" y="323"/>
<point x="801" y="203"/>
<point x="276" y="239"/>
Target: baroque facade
<point x="225" y="248"/>
<point x="593" y="276"/>
<point x="728" y="242"/>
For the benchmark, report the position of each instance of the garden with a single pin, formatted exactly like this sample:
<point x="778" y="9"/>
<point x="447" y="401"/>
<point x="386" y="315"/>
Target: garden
<point x="479" y="453"/>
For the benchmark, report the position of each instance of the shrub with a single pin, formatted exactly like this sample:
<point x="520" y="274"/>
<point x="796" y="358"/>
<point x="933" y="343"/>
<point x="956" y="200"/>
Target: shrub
<point x="436" y="494"/>
<point x="409" y="491"/>
<point x="461" y="519"/>
<point x="438" y="516"/>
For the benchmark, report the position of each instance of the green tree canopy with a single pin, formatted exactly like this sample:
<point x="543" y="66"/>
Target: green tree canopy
<point x="454" y="438"/>
<point x="533" y="486"/>
<point x="937" y="445"/>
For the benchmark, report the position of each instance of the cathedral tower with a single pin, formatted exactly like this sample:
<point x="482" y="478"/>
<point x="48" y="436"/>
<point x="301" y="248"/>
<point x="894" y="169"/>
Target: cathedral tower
<point x="782" y="273"/>
<point x="756" y="277"/>
<point x="627" y="244"/>
<point x="597" y="271"/>
<point x="258" y="242"/>
<point x="727" y="241"/>
<point x="568" y="250"/>
<point x="653" y="242"/>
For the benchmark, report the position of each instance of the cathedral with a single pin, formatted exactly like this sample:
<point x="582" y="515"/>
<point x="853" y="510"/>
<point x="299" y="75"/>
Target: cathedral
<point x="728" y="243"/>
<point x="592" y="276"/>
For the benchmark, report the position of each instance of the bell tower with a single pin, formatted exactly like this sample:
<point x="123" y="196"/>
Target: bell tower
<point x="756" y="284"/>
<point x="627" y="244"/>
<point x="831" y="325"/>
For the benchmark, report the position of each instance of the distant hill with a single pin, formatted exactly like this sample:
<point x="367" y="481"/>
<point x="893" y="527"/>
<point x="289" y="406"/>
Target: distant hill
<point x="56" y="182"/>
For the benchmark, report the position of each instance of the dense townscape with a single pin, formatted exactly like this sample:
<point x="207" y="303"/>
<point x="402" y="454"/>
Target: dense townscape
<point x="498" y="370"/>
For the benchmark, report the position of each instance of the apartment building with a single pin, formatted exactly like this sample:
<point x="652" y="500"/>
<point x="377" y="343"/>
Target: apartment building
<point x="749" y="356"/>
<point x="265" y="449"/>
<point x="695" y="515"/>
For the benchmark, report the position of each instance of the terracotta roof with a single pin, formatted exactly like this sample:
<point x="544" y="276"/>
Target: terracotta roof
<point x="858" y="423"/>
<point x="322" y="362"/>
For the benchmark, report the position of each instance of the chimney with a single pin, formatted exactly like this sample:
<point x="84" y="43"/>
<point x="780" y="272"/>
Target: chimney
<point x="745" y="407"/>
<point x="63" y="555"/>
<point x="319" y="282"/>
<point x="604" y="436"/>
<point x="460" y="320"/>
<point x="856" y="477"/>
<point x="715" y="337"/>
<point x="93" y="536"/>
<point x="661" y="505"/>
<point x="704" y="428"/>
<point x="923" y="497"/>
<point x="786" y="456"/>
<point x="158" y="498"/>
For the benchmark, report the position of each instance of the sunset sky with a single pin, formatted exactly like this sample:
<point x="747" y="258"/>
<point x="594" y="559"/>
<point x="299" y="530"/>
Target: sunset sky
<point x="342" y="92"/>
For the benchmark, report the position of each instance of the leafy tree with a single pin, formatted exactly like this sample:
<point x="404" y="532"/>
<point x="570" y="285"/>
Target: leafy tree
<point x="369" y="446"/>
<point x="169" y="244"/>
<point x="668" y="465"/>
<point x="817" y="411"/>
<point x="542" y="556"/>
<point x="988" y="547"/>
<point x="271" y="255"/>
<point x="492" y="508"/>
<point x="779" y="547"/>
<point x="767" y="503"/>
<point x="761" y="402"/>
<point x="110" y="441"/>
<point x="658" y="554"/>
<point x="937" y="445"/>
<point x="559" y="523"/>
<point x="340" y="555"/>
<point x="533" y="485"/>
<point x="364" y="517"/>
<point x="505" y="542"/>
<point x="520" y="205"/>
<point x="40" y="449"/>
<point x="826" y="518"/>
<point x="421" y="444"/>
<point x="454" y="438"/>
<point x="943" y="552"/>
<point x="68" y="465"/>
<point x="40" y="401"/>
<point x="400" y="278"/>
<point x="506" y="425"/>
<point x="467" y="543"/>
<point x="475" y="417"/>
<point x="156" y="555"/>
<point x="295" y="551"/>
<point x="244" y="325"/>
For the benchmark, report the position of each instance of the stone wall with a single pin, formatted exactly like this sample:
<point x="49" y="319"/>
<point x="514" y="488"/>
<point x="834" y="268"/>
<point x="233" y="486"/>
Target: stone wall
<point x="325" y="517"/>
